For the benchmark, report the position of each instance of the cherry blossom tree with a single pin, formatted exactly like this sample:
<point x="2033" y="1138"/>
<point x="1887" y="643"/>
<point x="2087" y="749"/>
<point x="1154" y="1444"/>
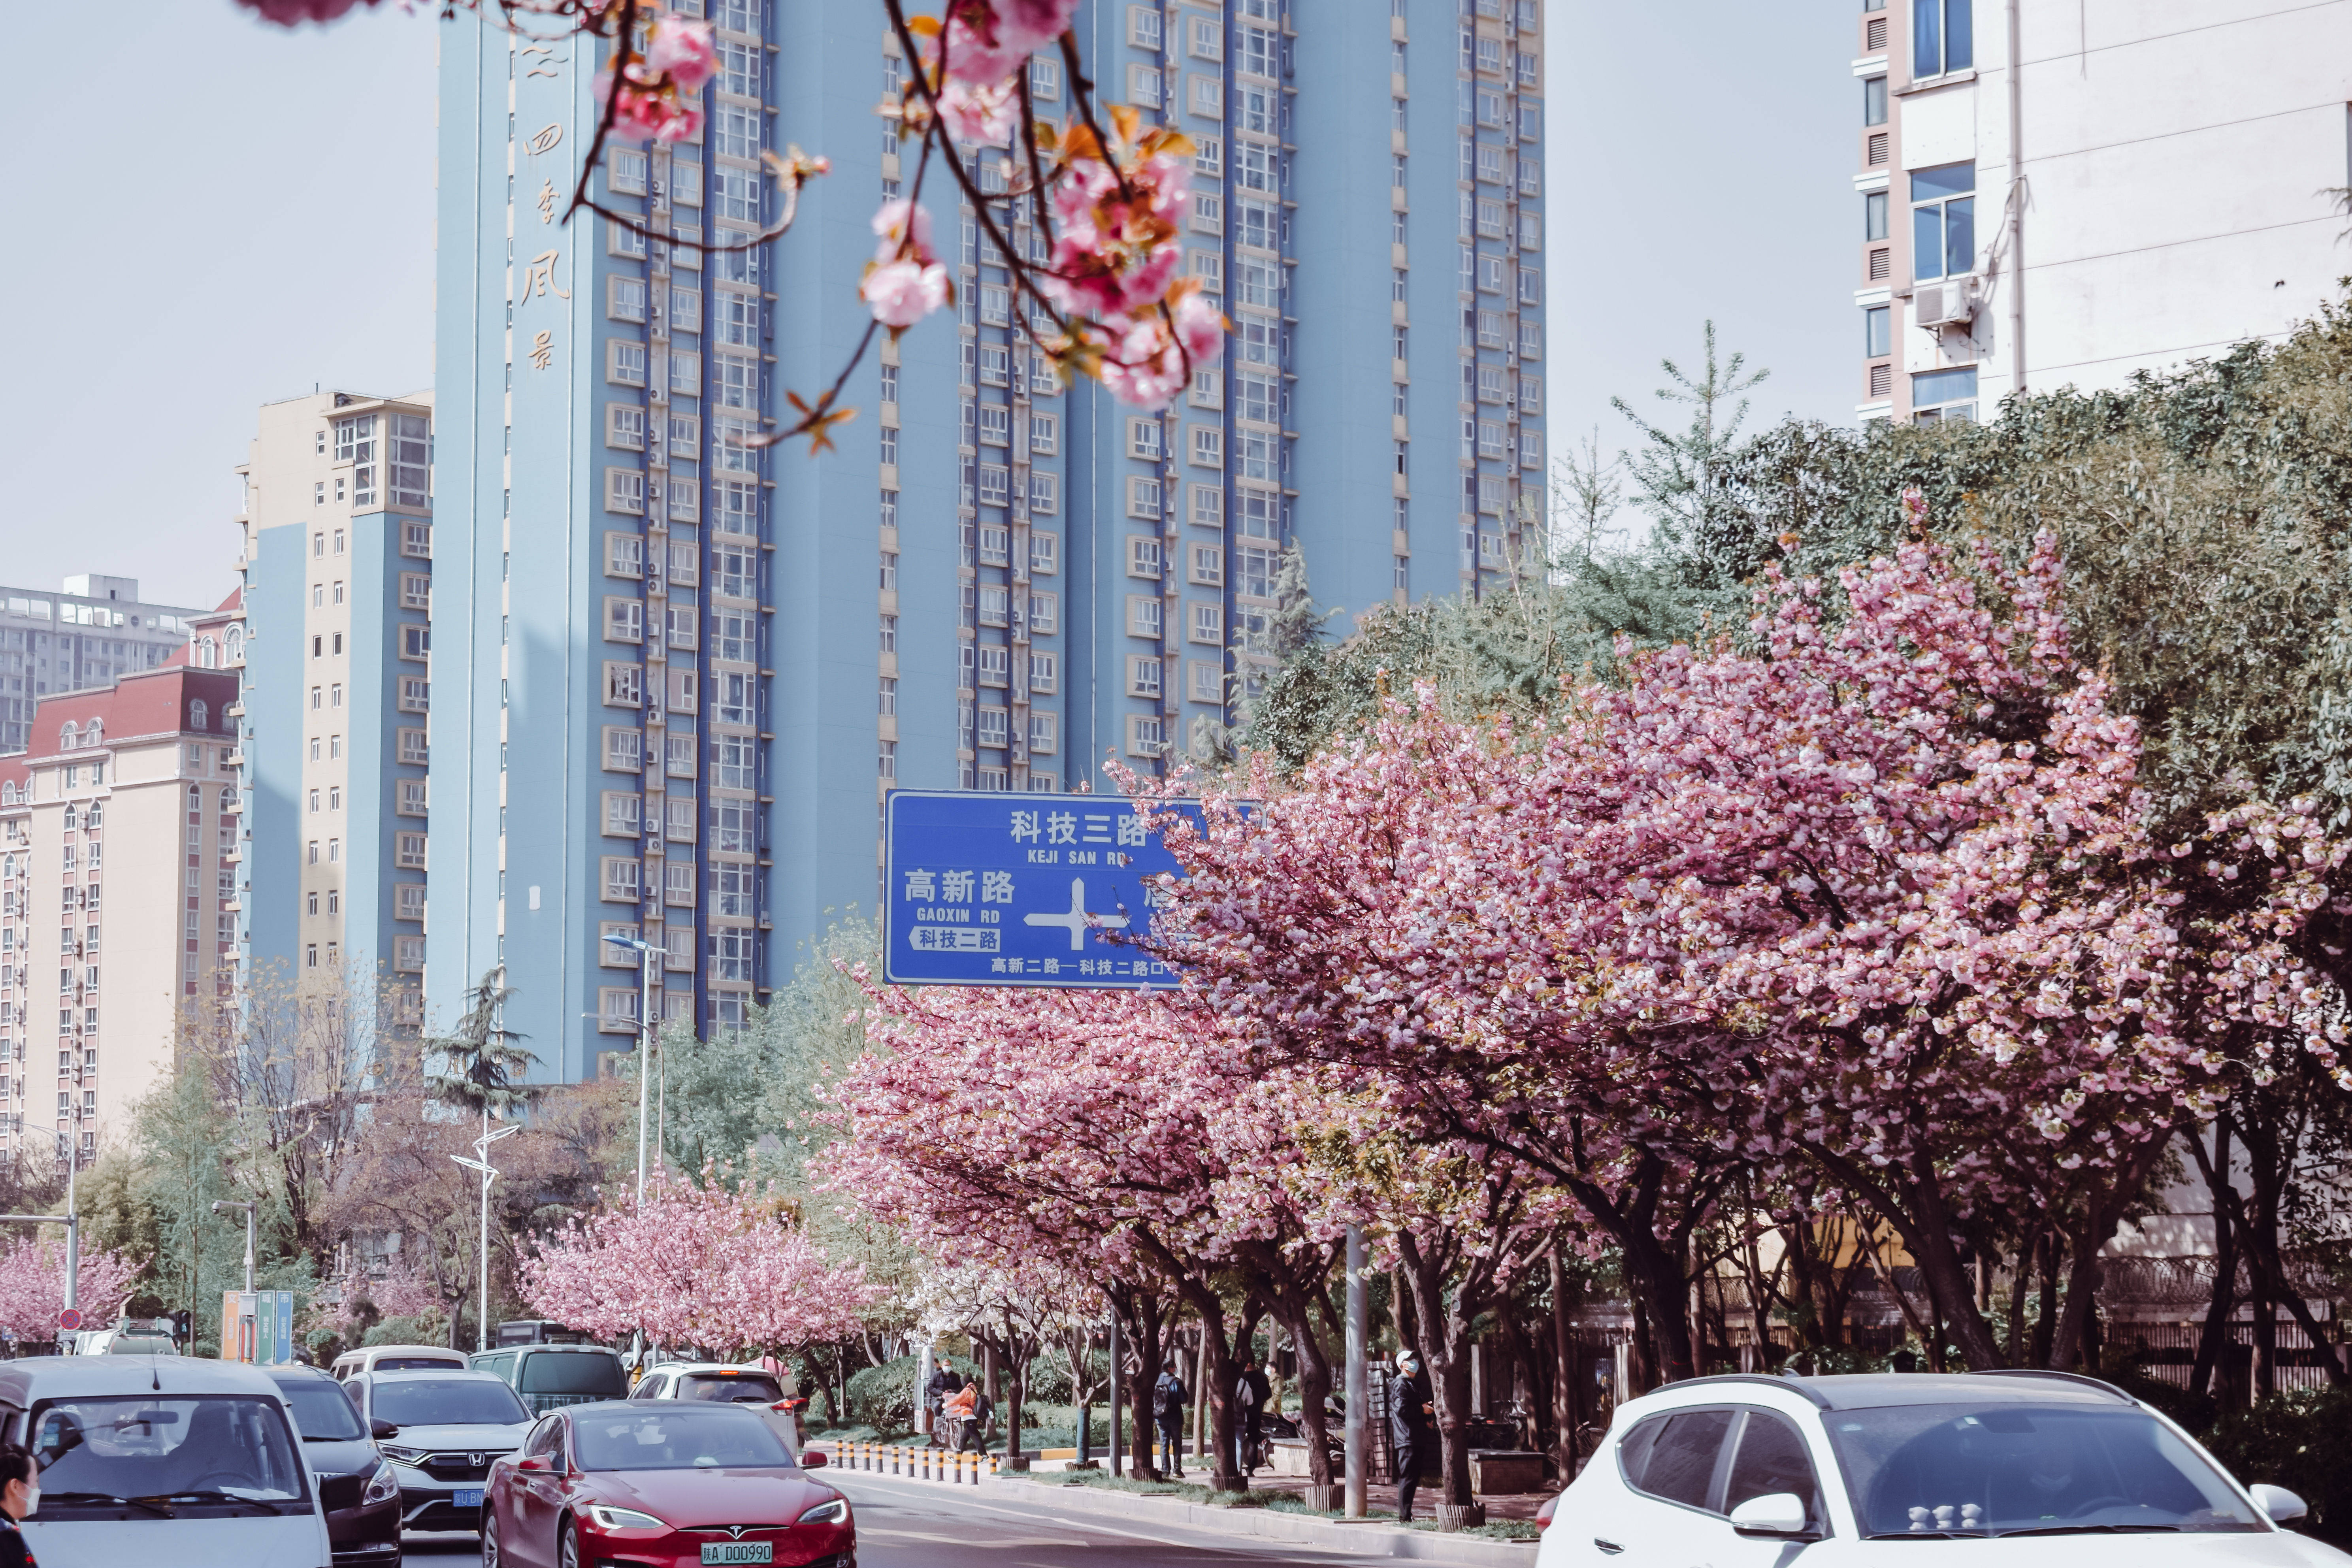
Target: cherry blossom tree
<point x="1873" y="893"/>
<point x="1112" y="1134"/>
<point x="33" y="1285"/>
<point x="698" y="1264"/>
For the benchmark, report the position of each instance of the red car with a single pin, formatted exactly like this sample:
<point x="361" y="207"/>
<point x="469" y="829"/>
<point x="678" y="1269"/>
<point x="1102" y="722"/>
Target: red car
<point x="660" y="1485"/>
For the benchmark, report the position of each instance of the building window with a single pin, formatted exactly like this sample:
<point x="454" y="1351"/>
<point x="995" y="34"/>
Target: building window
<point x="413" y="690"/>
<point x="621" y="880"/>
<point x="1943" y="219"/>
<point x="1942" y="36"/>
<point x="995" y="485"/>
<point x="1873" y="100"/>
<point x="1045" y="733"/>
<point x="1142" y="556"/>
<point x="1206" y="623"/>
<point x="1143" y="735"/>
<point x="995" y="664"/>
<point x="1044" y="492"/>
<point x="412" y="748"/>
<point x="1142" y="497"/>
<point x="1143" y="616"/>
<point x="1045" y="672"/>
<point x="1044" y="553"/>
<point x="1143" y="676"/>
<point x="1877" y="335"/>
<point x="1143" y="84"/>
<point x="1208" y="447"/>
<point x="1143" y="439"/>
<point x="995" y="605"/>
<point x="623" y="750"/>
<point x="1207" y="566"/>
<point x="408" y="850"/>
<point x="1944" y="395"/>
<point x="624" y="363"/>
<point x="995" y="425"/>
<point x="1045" y="79"/>
<point x="1873" y="215"/>
<point x="1044" y="613"/>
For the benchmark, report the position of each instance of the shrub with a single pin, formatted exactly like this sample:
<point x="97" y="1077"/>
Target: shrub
<point x="883" y="1397"/>
<point x="427" y="1328"/>
<point x="2301" y="1441"/>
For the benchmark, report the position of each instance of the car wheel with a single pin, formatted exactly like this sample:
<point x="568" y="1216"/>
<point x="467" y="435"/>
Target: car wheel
<point x="567" y="1550"/>
<point x="490" y="1542"/>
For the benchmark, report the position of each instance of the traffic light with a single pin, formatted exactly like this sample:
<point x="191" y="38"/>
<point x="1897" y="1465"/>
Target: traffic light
<point x="180" y="1322"/>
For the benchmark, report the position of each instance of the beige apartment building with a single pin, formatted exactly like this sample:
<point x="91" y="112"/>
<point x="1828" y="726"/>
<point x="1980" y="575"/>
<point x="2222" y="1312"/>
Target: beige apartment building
<point x="118" y="833"/>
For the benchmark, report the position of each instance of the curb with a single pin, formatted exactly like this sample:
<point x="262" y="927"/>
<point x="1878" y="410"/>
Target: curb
<point x="1363" y="1539"/>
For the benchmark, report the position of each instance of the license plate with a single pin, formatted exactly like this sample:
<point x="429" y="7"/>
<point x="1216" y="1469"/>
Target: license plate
<point x="467" y="1497"/>
<point x="738" y="1552"/>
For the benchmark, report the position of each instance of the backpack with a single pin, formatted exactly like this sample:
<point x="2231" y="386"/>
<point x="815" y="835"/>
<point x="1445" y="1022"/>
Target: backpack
<point x="1167" y="1398"/>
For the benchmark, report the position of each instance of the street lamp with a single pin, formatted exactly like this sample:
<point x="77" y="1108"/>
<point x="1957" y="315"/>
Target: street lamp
<point x="220" y="1204"/>
<point x="645" y="952"/>
<point x="482" y="1162"/>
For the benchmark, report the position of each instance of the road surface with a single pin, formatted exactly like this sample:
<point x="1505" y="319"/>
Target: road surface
<point x="919" y="1524"/>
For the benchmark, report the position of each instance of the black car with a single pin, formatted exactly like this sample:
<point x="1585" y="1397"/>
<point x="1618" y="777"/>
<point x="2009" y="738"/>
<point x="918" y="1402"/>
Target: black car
<point x="359" y="1489"/>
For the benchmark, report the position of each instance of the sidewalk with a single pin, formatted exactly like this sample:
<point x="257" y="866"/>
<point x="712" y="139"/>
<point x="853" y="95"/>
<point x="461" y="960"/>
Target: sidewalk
<point x="1044" y="1489"/>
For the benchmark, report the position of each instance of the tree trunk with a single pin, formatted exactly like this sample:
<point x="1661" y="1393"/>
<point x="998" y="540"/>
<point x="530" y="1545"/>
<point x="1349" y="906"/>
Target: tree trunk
<point x="1565" y="1380"/>
<point x="2045" y="1324"/>
<point x="1445" y="1349"/>
<point x="1140" y="1325"/>
<point x="1314" y="1384"/>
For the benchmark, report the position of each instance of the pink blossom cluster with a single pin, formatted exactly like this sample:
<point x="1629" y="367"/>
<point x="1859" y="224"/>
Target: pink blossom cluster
<point x="1117" y="201"/>
<point x="656" y="88"/>
<point x="697" y="1265"/>
<point x="32" y="1286"/>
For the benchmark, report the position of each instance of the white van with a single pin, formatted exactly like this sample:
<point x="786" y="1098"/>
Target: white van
<point x="398" y="1358"/>
<point x="207" y="1449"/>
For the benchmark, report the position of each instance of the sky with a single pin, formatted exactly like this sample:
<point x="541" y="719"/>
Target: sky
<point x="230" y="213"/>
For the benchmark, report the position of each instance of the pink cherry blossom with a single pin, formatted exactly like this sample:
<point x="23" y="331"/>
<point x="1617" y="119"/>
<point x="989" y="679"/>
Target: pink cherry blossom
<point x="697" y="1265"/>
<point x="33" y="1285"/>
<point x="683" y="50"/>
<point x="892" y="221"/>
<point x="986" y="115"/>
<point x="287" y="13"/>
<point x="901" y="293"/>
<point x="988" y="40"/>
<point x="646" y="112"/>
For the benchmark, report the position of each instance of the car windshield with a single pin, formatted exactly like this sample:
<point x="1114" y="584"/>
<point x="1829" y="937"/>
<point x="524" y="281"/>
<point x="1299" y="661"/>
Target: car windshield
<point x="322" y="1411"/>
<point x="574" y="1371"/>
<point x="437" y="1402"/>
<point x="730" y="1387"/>
<point x="224" y="1448"/>
<point x="2010" y="1468"/>
<point x="646" y="1439"/>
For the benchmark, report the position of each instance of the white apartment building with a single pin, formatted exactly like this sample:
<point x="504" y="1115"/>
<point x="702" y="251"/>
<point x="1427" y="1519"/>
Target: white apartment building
<point x="2151" y="182"/>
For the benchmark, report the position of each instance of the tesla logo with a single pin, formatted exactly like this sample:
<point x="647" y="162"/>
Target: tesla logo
<point x="736" y="1531"/>
<point x="475" y="1460"/>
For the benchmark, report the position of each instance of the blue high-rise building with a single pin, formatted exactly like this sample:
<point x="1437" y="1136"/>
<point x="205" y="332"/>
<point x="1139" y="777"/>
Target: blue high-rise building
<point x="674" y="677"/>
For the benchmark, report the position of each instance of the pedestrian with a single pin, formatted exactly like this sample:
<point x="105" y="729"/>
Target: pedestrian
<point x="983" y="1411"/>
<point x="1168" y="1401"/>
<point x="1411" y="1426"/>
<point x="1251" y="1390"/>
<point x="944" y="1382"/>
<point x="20" y="1495"/>
<point x="959" y="1410"/>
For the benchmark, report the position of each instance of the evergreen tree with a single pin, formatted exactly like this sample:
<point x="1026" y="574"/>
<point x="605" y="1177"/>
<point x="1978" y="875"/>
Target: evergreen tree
<point x="484" y="1061"/>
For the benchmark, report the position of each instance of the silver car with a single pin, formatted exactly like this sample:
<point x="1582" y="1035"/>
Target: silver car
<point x="440" y="1430"/>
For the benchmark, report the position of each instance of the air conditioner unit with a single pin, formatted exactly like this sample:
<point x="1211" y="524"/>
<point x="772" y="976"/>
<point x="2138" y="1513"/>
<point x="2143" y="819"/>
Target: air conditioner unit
<point x="1951" y="304"/>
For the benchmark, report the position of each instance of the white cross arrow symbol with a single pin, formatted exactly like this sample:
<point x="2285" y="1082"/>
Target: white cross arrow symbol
<point x="1077" y="920"/>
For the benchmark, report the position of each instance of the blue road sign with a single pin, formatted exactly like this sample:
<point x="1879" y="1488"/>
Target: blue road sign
<point x="1019" y="890"/>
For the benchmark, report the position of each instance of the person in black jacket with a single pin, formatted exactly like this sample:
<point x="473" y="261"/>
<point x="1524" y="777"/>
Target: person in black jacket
<point x="944" y="1382"/>
<point x="1169" y="1398"/>
<point x="1251" y="1390"/>
<point x="1413" y="1428"/>
<point x="20" y="1495"/>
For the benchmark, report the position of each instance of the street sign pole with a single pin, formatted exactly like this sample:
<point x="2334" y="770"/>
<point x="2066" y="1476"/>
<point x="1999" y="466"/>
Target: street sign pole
<point x="1359" y="1391"/>
<point x="1115" y="1451"/>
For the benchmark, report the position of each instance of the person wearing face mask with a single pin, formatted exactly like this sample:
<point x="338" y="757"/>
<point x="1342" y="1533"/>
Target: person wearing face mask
<point x="20" y="1494"/>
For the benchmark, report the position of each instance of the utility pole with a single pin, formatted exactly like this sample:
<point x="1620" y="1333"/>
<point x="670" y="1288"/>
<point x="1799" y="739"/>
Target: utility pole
<point x="1359" y="1379"/>
<point x="220" y="1204"/>
<point x="645" y="952"/>
<point x="489" y="1172"/>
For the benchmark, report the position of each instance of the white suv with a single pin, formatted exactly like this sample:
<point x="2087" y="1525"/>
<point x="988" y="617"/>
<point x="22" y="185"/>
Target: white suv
<point x="1856" y="1472"/>
<point x="725" y="1383"/>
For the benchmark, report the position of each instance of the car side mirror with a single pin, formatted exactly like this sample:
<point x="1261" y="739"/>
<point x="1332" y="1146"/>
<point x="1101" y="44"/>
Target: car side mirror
<point x="531" y="1463"/>
<point x="1774" y="1513"/>
<point x="817" y="1461"/>
<point x="2278" y="1502"/>
<point x="383" y="1429"/>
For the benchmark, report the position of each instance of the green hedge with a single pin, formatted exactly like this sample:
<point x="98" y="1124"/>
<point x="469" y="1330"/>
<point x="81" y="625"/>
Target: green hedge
<point x="883" y="1397"/>
<point x="2301" y="1441"/>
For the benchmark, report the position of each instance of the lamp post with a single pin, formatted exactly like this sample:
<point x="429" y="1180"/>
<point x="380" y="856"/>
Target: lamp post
<point x="220" y="1204"/>
<point x="482" y="1162"/>
<point x="645" y="952"/>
